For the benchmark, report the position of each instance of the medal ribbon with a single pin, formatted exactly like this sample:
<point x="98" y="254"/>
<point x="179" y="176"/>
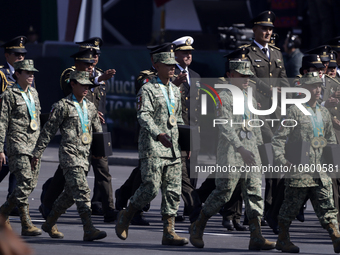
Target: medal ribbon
<point x="316" y="121"/>
<point x="246" y="114"/>
<point x="29" y="102"/>
<point x="170" y="103"/>
<point x="83" y="116"/>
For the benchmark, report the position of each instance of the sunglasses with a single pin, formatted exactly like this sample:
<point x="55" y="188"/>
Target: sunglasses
<point x="18" y="54"/>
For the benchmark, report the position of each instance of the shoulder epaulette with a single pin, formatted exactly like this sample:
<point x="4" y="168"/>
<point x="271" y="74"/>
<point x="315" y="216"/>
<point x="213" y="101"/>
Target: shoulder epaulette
<point x="4" y="81"/>
<point x="100" y="70"/>
<point x="62" y="75"/>
<point x="244" y="46"/>
<point x="333" y="79"/>
<point x="252" y="81"/>
<point x="147" y="72"/>
<point x="274" y="47"/>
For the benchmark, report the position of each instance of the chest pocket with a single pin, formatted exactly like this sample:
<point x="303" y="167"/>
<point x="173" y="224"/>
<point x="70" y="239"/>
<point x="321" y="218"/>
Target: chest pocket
<point x="279" y="64"/>
<point x="258" y="64"/>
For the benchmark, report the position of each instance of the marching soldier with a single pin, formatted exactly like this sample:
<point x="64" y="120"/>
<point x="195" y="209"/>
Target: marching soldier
<point x="158" y="113"/>
<point x="237" y="146"/>
<point x="76" y="118"/>
<point x="317" y="185"/>
<point x="20" y="118"/>
<point x="14" y="51"/>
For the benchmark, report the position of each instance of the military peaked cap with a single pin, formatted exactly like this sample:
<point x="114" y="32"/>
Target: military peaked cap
<point x="323" y="51"/>
<point x="184" y="43"/>
<point x="17" y="44"/>
<point x="94" y="43"/>
<point x="265" y="18"/>
<point x="84" y="55"/>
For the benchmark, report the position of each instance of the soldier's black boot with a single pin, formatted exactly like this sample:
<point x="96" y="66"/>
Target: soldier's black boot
<point x="27" y="227"/>
<point x="50" y="225"/>
<point x="283" y="242"/>
<point x="169" y="235"/>
<point x="90" y="232"/>
<point x="197" y="230"/>
<point x="335" y="236"/>
<point x="123" y="221"/>
<point x="257" y="241"/>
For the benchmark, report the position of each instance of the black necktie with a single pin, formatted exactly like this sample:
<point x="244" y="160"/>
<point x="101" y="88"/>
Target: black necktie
<point x="265" y="52"/>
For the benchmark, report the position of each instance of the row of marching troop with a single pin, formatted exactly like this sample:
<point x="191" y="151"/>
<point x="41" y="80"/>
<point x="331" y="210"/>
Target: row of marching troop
<point x="164" y="98"/>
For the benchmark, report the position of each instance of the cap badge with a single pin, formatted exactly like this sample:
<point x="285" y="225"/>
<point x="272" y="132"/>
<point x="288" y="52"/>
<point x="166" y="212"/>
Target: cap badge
<point x="188" y="41"/>
<point x="96" y="42"/>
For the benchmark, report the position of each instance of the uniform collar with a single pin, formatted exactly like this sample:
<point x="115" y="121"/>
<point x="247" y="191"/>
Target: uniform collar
<point x="11" y="68"/>
<point x="260" y="46"/>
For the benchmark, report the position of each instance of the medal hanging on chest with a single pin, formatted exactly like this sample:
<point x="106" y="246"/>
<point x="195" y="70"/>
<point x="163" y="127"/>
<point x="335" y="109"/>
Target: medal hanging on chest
<point x="318" y="141"/>
<point x="83" y="116"/>
<point x="31" y="108"/>
<point x="169" y="102"/>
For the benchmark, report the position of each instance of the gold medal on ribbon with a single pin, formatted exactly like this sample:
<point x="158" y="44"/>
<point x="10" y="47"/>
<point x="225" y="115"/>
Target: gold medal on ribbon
<point x="243" y="134"/>
<point x="34" y="125"/>
<point x="249" y="128"/>
<point x="323" y="141"/>
<point x="86" y="138"/>
<point x="172" y="120"/>
<point x="315" y="142"/>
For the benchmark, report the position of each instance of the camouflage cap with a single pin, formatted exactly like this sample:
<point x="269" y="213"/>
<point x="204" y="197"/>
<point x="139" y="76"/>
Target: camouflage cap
<point x="242" y="67"/>
<point x="167" y="58"/>
<point x="82" y="77"/>
<point x="26" y="64"/>
<point x="311" y="78"/>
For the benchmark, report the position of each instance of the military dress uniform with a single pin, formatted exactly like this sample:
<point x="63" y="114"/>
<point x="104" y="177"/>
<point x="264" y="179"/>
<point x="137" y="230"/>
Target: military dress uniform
<point x="22" y="127"/>
<point x="74" y="153"/>
<point x="230" y="138"/>
<point x="300" y="184"/>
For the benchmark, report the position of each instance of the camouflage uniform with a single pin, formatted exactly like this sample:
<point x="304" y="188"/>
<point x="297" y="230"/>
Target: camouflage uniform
<point x="73" y="154"/>
<point x="160" y="166"/>
<point x="15" y="120"/>
<point x="317" y="186"/>
<point x="228" y="142"/>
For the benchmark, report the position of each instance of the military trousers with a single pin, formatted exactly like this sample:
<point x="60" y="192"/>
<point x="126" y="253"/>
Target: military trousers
<point x="76" y="191"/>
<point x="164" y="174"/>
<point x="27" y="178"/>
<point x="225" y="186"/>
<point x="102" y="191"/>
<point x="321" y="198"/>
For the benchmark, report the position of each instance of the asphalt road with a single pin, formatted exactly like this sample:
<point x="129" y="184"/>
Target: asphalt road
<point x="309" y="235"/>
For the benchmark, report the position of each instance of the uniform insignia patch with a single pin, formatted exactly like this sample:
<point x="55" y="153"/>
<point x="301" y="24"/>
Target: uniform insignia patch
<point x="279" y="60"/>
<point x="145" y="80"/>
<point x="258" y="60"/>
<point x="139" y="102"/>
<point x="198" y="84"/>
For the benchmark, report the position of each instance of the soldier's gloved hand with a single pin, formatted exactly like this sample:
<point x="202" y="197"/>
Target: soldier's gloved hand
<point x="247" y="156"/>
<point x="108" y="74"/>
<point x="165" y="140"/>
<point x="331" y="102"/>
<point x="182" y="77"/>
<point x="34" y="162"/>
<point x="2" y="160"/>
